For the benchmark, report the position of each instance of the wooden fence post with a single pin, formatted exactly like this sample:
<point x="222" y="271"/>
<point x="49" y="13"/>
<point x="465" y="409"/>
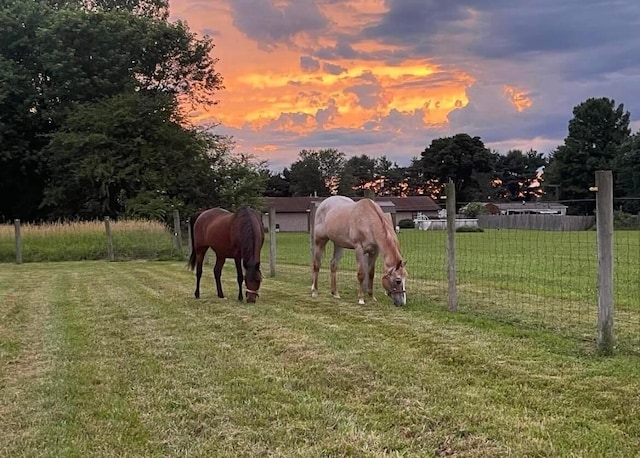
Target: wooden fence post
<point x="451" y="246"/>
<point x="18" y="241"/>
<point x="176" y="230"/>
<point x="604" y="225"/>
<point x="107" y="230"/>
<point x="189" y="237"/>
<point x="272" y="241"/>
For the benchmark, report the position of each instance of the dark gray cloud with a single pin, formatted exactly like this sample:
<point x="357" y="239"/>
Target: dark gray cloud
<point x="270" y="25"/>
<point x="309" y="64"/>
<point x="333" y="69"/>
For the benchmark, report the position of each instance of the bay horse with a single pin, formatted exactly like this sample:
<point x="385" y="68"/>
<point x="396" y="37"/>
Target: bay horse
<point x="238" y="236"/>
<point x="363" y="227"/>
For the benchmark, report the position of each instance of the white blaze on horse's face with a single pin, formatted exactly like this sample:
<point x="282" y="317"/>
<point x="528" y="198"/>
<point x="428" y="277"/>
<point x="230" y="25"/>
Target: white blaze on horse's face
<point x="394" y="282"/>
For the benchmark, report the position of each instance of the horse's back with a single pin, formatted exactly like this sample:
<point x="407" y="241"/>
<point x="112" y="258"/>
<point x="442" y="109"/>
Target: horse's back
<point x="213" y="229"/>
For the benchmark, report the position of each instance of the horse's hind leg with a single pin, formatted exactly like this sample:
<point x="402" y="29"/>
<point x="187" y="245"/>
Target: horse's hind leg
<point x="240" y="277"/>
<point x="363" y="271"/>
<point x="335" y="260"/>
<point x="217" y="273"/>
<point x="199" y="261"/>
<point x="318" y="251"/>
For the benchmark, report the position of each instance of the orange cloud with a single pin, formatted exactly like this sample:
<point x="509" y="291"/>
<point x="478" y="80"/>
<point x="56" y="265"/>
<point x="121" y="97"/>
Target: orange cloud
<point x="519" y="98"/>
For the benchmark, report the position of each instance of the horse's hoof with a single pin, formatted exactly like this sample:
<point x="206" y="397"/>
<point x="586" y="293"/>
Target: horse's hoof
<point x="361" y="301"/>
<point x="314" y="293"/>
<point x="336" y="295"/>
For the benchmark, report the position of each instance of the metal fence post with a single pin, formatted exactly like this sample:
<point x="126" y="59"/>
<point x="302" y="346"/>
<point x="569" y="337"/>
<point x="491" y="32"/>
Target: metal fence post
<point x="604" y="225"/>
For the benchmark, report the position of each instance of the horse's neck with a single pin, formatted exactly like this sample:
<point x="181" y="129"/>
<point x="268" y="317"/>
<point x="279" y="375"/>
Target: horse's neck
<point x="390" y="249"/>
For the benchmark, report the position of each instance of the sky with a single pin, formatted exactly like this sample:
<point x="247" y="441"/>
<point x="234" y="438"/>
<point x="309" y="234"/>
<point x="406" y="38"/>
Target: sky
<point x="386" y="77"/>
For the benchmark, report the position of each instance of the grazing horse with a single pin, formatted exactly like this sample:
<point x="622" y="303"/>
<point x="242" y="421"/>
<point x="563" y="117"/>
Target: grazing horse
<point x="238" y="236"/>
<point x="363" y="227"/>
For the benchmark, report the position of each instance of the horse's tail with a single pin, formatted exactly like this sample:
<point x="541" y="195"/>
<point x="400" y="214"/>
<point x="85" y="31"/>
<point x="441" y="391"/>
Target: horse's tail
<point x="192" y="255"/>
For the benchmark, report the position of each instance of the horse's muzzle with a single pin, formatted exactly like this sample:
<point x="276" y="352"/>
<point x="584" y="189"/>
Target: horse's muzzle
<point x="252" y="296"/>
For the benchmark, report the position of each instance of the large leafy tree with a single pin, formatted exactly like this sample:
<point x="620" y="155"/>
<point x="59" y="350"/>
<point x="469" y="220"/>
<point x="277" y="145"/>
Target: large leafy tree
<point x="462" y="158"/>
<point x="519" y="175"/>
<point x="57" y="59"/>
<point x="596" y="132"/>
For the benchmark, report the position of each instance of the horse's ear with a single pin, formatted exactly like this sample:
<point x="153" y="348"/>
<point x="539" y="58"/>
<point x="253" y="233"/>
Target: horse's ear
<point x="400" y="264"/>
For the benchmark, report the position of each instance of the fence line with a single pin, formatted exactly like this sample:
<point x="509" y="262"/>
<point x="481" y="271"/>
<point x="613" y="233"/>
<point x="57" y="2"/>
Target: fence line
<point x="536" y="222"/>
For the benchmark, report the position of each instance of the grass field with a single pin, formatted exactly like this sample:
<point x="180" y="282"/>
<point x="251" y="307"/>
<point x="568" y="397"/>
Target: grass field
<point x="118" y="359"/>
<point x="86" y="240"/>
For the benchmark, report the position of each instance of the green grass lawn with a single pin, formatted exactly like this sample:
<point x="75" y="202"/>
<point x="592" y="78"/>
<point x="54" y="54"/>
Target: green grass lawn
<point x="119" y="359"/>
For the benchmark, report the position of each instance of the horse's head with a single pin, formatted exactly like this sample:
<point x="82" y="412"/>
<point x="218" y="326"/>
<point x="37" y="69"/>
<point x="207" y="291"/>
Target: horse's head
<point x="252" y="280"/>
<point x="394" y="281"/>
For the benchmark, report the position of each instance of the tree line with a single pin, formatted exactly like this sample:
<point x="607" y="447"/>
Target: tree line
<point x="94" y="97"/>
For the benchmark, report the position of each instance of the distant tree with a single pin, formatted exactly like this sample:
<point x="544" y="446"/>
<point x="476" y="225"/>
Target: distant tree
<point x="316" y="172"/>
<point x="518" y="175"/>
<point x="390" y="178"/>
<point x="463" y="159"/>
<point x="358" y="174"/>
<point x="277" y="184"/>
<point x="596" y="132"/>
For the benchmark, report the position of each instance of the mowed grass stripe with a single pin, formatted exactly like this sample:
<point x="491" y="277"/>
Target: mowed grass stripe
<point x="87" y="395"/>
<point x="25" y="356"/>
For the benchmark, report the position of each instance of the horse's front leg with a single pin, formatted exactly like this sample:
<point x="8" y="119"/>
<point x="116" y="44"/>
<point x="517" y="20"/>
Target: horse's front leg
<point x="240" y="277"/>
<point x="363" y="271"/>
<point x="372" y="271"/>
<point x="335" y="260"/>
<point x="217" y="274"/>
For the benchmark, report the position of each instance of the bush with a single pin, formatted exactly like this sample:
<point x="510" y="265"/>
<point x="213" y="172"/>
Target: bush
<point x="473" y="209"/>
<point x="405" y="224"/>
<point x="469" y="229"/>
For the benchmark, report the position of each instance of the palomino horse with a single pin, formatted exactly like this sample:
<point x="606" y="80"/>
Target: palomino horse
<point x="238" y="236"/>
<point x="363" y="227"/>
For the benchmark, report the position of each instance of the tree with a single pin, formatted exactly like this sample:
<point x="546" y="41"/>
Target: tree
<point x="277" y="184"/>
<point x="59" y="57"/>
<point x="518" y="175"/>
<point x="106" y="154"/>
<point x="358" y="174"/>
<point x="240" y="181"/>
<point x="461" y="158"/>
<point x="626" y="167"/>
<point x="316" y="172"/>
<point x="390" y="177"/>
<point x="596" y="132"/>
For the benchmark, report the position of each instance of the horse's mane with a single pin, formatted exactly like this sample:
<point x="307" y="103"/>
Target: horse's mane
<point x="247" y="233"/>
<point x="387" y="229"/>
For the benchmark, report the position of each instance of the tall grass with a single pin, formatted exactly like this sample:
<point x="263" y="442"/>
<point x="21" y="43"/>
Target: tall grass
<point x="86" y="240"/>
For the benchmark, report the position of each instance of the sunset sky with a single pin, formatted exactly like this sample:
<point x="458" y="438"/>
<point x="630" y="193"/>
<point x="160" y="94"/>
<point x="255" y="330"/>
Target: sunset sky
<point x="386" y="77"/>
